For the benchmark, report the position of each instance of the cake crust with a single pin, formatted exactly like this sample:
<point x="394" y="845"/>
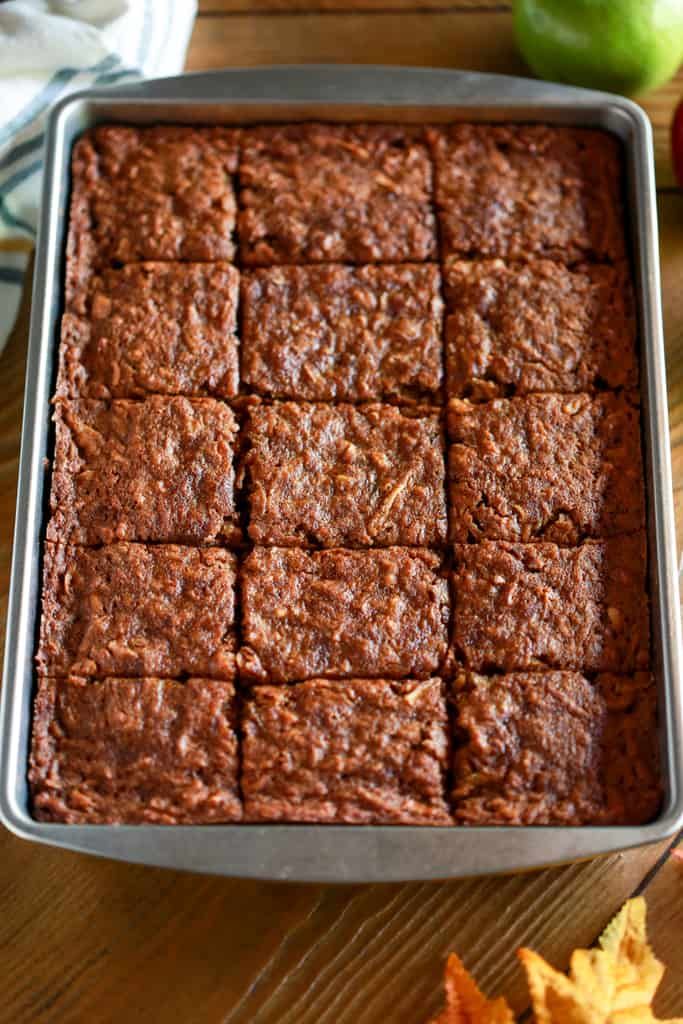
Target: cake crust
<point x="322" y="193"/>
<point x="154" y="328"/>
<point x="365" y="751"/>
<point x="138" y="610"/>
<point x="347" y="527"/>
<point x="158" y="470"/>
<point x="343" y="614"/>
<point x="340" y="333"/>
<point x="341" y="476"/>
<point x="553" y="748"/>
<point x="134" y="751"/>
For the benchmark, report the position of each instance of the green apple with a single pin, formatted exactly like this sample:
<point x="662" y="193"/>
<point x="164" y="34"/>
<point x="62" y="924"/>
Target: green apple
<point x="624" y="46"/>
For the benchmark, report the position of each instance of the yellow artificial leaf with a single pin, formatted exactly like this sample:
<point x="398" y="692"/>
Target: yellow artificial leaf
<point x="465" y="1004"/>
<point x="614" y="984"/>
<point x="639" y="972"/>
<point x="553" y="995"/>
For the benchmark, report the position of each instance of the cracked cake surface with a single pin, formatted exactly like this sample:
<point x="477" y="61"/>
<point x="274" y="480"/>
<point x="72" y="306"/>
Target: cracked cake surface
<point x="322" y="193"/>
<point x="342" y="614"/>
<point x="516" y="328"/>
<point x="138" y="751"/>
<point x="554" y="748"/>
<point x="158" y="470"/>
<point x="528" y="190"/>
<point x="347" y="517"/>
<point x="527" y="606"/>
<point x="158" y="193"/>
<point x="154" y="328"/>
<point x="138" y="610"/>
<point x="545" y="467"/>
<point x="362" y="751"/>
<point x="344" y="476"/>
<point x="341" y="333"/>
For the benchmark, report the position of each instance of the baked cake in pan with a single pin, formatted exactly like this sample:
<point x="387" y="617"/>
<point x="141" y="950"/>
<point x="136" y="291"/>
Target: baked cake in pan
<point x="347" y="501"/>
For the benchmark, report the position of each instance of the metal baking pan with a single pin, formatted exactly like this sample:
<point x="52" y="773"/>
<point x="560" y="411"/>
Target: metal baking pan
<point x="317" y="852"/>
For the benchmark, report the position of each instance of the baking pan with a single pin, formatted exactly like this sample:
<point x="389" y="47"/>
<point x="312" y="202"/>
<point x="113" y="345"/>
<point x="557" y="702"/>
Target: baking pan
<point x="327" y="852"/>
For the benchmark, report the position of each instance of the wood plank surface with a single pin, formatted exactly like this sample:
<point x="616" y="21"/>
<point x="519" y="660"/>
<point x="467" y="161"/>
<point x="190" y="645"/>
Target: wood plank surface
<point x="12" y="370"/>
<point x="411" y="38"/>
<point x="83" y="939"/>
<point x="438" y="38"/>
<point x="670" y="208"/>
<point x="664" y="895"/>
<point x="220" y="8"/>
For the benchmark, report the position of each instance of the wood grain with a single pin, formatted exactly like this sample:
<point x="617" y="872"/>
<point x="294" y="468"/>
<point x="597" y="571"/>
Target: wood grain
<point x="670" y="209"/>
<point x="464" y="39"/>
<point x="213" y="8"/>
<point x="664" y="897"/>
<point x="383" y="959"/>
<point x="12" y="370"/>
<point x="89" y="940"/>
<point x="443" y="39"/>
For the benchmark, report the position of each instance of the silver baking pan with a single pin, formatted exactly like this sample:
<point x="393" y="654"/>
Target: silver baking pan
<point x="317" y="852"/>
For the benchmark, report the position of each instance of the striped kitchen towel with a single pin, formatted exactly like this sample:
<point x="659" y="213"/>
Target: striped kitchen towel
<point x="49" y="48"/>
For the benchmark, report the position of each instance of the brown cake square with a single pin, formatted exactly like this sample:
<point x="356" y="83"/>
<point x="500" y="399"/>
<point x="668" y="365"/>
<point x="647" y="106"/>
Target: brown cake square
<point x="323" y="193"/>
<point x="134" y="610"/>
<point x="342" y="614"/>
<point x="154" y="328"/>
<point x="546" y="467"/>
<point x="133" y="751"/>
<point x="158" y="470"/>
<point x="333" y="333"/>
<point x="517" y="191"/>
<point x="160" y="193"/>
<point x="528" y="606"/>
<point x="344" y="476"/>
<point x="552" y="748"/>
<point x="364" y="751"/>
<point x="513" y="329"/>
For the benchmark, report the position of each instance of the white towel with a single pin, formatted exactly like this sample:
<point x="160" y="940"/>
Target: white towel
<point x="49" y="48"/>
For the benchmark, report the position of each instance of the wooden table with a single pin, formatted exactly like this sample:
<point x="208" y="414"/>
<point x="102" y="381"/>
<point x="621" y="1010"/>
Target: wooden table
<point x="88" y="940"/>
